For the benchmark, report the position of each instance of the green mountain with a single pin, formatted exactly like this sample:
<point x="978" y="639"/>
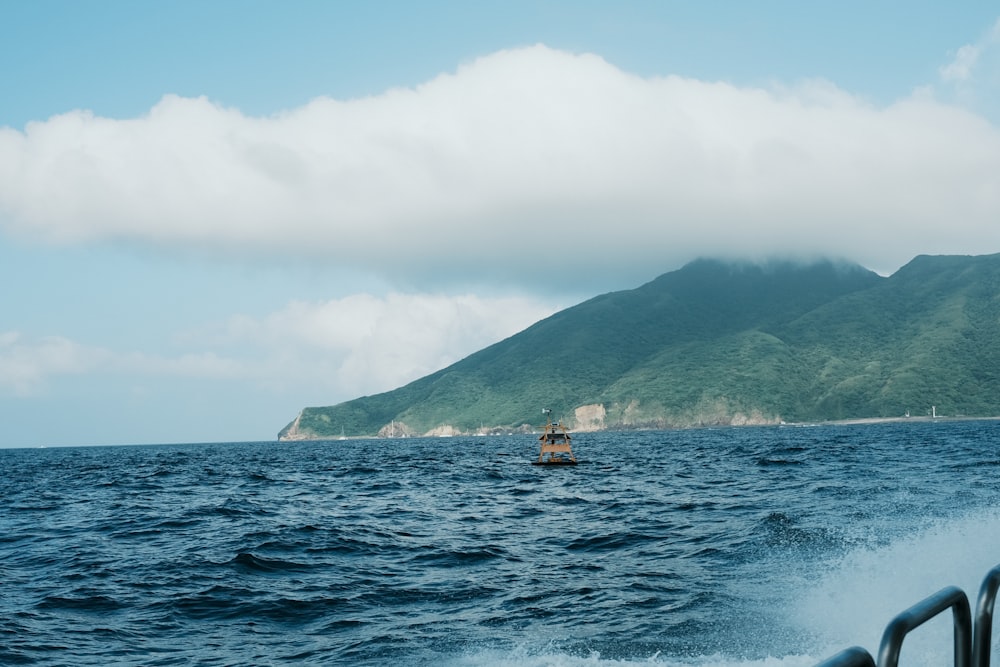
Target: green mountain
<point x="721" y="343"/>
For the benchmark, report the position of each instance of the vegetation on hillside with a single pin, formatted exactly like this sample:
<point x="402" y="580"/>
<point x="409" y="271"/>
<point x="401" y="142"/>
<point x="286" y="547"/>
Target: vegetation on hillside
<point x="720" y="343"/>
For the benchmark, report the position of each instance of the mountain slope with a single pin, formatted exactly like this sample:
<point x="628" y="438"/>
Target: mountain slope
<point x="927" y="336"/>
<point x="720" y="343"/>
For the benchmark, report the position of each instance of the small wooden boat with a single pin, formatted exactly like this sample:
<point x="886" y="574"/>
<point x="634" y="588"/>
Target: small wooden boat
<point x="555" y="441"/>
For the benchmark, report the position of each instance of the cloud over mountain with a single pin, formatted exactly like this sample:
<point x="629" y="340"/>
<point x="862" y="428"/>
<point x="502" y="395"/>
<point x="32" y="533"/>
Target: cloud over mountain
<point x="516" y="167"/>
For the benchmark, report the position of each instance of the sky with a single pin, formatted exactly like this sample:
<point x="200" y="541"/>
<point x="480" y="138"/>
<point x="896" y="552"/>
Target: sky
<point x="214" y="214"/>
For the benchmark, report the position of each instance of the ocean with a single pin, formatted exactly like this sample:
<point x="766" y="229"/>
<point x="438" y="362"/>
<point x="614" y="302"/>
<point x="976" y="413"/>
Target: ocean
<point x="730" y="547"/>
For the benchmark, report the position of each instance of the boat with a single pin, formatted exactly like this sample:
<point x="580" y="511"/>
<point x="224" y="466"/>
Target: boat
<point x="555" y="444"/>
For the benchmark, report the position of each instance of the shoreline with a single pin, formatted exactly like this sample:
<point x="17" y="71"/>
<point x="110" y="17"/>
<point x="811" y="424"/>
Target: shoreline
<point x="889" y="420"/>
<point x="860" y="421"/>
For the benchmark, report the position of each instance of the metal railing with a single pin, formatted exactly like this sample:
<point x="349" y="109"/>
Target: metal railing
<point x="983" y="633"/>
<point x="947" y="598"/>
<point x="971" y="642"/>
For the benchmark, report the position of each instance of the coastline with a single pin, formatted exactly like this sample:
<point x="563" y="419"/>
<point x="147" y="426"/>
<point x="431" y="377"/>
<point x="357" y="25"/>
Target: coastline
<point x="296" y="436"/>
<point x="889" y="420"/>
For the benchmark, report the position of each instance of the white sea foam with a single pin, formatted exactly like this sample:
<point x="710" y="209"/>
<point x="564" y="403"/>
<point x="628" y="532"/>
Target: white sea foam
<point x="844" y="602"/>
<point x="850" y="601"/>
<point x="523" y="658"/>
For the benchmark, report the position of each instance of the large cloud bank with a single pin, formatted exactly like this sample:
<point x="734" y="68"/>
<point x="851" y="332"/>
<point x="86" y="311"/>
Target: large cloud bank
<point x="517" y="167"/>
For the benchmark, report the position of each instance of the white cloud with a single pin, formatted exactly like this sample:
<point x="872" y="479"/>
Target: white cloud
<point x="365" y="344"/>
<point x="960" y="68"/>
<point x="333" y="350"/>
<point x="531" y="166"/>
<point x="28" y="365"/>
<point x="25" y="365"/>
<point x="972" y="77"/>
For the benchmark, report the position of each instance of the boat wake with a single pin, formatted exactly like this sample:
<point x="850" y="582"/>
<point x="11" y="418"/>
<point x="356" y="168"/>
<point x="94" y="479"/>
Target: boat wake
<point x="835" y="603"/>
<point x="852" y="599"/>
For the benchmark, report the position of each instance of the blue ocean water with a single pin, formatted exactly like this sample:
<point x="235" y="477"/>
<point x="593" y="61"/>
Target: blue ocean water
<point x="763" y="546"/>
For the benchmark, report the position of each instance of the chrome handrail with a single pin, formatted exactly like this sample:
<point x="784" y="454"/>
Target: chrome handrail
<point x="947" y="598"/>
<point x="854" y="656"/>
<point x="971" y="641"/>
<point x="983" y="633"/>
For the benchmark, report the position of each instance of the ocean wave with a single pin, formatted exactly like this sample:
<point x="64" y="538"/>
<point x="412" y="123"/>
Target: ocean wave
<point x="252" y="553"/>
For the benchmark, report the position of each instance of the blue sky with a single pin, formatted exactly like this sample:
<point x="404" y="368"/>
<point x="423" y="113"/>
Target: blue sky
<point x="214" y="214"/>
